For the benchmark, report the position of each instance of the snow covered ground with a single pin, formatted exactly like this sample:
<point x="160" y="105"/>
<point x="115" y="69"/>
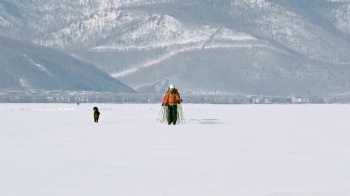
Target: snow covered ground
<point x="221" y="150"/>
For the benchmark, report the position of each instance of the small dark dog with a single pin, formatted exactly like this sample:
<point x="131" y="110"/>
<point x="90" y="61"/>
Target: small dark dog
<point x="96" y="114"/>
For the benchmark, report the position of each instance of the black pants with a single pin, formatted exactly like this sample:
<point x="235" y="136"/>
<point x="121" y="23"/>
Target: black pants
<point x="172" y="114"/>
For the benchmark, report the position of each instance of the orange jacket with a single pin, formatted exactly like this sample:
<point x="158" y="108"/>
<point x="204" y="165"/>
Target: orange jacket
<point x="172" y="98"/>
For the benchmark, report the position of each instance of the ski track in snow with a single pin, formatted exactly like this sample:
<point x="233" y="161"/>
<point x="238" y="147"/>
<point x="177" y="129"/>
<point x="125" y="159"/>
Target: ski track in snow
<point x="131" y="71"/>
<point x="220" y="150"/>
<point x="40" y="67"/>
<point x="149" y="64"/>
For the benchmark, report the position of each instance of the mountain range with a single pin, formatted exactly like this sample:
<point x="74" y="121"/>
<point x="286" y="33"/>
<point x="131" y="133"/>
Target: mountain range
<point x="259" y="47"/>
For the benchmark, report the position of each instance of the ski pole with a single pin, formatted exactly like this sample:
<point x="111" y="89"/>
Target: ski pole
<point x="161" y="109"/>
<point x="182" y="115"/>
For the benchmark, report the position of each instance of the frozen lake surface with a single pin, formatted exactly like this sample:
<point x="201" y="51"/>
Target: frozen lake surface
<point x="220" y="150"/>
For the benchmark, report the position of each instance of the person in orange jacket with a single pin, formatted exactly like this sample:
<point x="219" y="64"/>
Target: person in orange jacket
<point x="171" y="99"/>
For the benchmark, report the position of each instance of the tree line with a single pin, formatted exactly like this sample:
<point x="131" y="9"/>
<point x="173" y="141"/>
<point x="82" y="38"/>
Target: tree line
<point x="94" y="97"/>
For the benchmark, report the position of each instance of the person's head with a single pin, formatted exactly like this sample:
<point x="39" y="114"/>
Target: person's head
<point x="172" y="87"/>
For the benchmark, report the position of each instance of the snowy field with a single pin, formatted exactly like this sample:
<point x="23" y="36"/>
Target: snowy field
<point x="221" y="150"/>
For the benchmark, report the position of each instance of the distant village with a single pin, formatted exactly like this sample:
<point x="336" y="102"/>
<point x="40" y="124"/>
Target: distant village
<point x="94" y="97"/>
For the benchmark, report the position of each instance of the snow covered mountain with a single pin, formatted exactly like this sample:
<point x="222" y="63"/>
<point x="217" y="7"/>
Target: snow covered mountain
<point x="267" y="47"/>
<point x="28" y="67"/>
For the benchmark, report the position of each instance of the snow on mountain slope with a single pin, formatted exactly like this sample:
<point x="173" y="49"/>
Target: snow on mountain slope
<point x="25" y="66"/>
<point x="296" y="26"/>
<point x="341" y="17"/>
